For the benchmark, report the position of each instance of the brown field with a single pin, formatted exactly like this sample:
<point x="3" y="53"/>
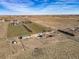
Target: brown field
<point x="3" y="30"/>
<point x="60" y="46"/>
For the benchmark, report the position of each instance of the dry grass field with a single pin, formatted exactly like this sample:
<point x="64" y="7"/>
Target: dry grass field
<point x="59" y="50"/>
<point x="56" y="21"/>
<point x="60" y="46"/>
<point x="3" y="30"/>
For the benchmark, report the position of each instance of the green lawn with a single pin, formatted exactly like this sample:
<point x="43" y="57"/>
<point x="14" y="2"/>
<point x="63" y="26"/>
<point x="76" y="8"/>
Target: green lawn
<point x="16" y="31"/>
<point x="37" y="27"/>
<point x="21" y="30"/>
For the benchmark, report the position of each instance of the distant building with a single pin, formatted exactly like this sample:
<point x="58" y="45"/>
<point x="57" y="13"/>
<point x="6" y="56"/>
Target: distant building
<point x="14" y="22"/>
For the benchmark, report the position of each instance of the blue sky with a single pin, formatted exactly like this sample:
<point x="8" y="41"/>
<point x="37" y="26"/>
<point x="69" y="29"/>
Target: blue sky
<point x="39" y="7"/>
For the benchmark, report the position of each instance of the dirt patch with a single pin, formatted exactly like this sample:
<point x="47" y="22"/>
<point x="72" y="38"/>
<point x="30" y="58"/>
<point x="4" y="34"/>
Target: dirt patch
<point x="3" y="30"/>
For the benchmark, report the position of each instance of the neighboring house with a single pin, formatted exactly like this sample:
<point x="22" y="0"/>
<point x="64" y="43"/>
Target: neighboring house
<point x="14" y="22"/>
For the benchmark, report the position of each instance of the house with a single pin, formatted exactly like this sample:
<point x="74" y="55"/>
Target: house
<point x="40" y="34"/>
<point x="14" y="22"/>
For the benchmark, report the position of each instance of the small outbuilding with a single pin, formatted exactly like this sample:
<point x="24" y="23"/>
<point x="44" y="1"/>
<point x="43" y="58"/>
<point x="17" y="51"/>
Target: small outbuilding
<point x="14" y="42"/>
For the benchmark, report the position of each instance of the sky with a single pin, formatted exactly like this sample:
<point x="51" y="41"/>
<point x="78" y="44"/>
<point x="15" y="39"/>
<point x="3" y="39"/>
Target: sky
<point x="39" y="7"/>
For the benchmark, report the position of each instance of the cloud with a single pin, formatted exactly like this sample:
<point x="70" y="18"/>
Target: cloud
<point x="32" y="7"/>
<point x="26" y="4"/>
